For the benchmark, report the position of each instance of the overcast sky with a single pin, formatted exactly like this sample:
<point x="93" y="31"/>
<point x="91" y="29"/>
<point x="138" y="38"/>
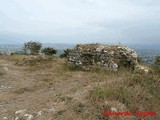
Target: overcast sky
<point x="73" y="21"/>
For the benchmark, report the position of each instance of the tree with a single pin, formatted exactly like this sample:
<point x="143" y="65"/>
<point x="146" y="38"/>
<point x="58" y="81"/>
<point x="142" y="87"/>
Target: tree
<point x="33" y="47"/>
<point x="49" y="51"/>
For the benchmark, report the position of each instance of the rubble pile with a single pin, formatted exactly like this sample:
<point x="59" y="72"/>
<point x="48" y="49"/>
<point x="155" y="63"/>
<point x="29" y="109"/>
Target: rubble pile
<point x="106" y="56"/>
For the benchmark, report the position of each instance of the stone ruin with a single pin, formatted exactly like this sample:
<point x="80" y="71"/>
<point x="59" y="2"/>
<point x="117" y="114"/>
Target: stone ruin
<point x="106" y="56"/>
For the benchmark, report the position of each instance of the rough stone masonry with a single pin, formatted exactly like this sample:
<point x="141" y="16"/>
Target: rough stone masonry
<point x="107" y="56"/>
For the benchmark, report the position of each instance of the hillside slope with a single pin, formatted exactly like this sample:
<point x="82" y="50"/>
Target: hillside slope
<point x="48" y="89"/>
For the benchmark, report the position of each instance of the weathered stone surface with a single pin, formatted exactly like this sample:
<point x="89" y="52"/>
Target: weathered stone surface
<point x="5" y="118"/>
<point x="106" y="56"/>
<point x="23" y="115"/>
<point x="142" y="69"/>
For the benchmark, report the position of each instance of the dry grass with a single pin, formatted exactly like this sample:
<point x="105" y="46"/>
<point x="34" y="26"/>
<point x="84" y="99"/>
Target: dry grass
<point x="32" y="88"/>
<point x="14" y="58"/>
<point x="138" y="92"/>
<point x="77" y="94"/>
<point x="2" y="72"/>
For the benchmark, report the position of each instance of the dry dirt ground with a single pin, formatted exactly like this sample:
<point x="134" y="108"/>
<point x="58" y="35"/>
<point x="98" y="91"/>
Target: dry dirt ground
<point x="49" y="91"/>
<point x="44" y="93"/>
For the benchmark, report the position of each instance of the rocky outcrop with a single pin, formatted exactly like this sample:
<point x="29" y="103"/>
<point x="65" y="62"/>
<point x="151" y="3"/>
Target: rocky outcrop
<point x="106" y="56"/>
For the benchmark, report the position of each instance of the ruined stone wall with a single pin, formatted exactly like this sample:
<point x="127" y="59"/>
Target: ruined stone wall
<point x="106" y="56"/>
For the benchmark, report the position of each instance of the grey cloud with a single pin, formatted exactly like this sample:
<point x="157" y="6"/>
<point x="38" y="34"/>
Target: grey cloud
<point x="80" y="20"/>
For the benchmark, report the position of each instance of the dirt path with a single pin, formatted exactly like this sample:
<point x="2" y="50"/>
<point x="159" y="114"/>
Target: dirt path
<point x="48" y="102"/>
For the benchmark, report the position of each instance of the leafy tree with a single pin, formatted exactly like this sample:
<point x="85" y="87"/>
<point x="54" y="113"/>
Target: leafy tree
<point x="49" y="51"/>
<point x="33" y="47"/>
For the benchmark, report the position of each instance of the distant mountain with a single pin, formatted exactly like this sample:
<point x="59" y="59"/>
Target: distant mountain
<point x="145" y="46"/>
<point x="5" y="41"/>
<point x="58" y="45"/>
<point x="146" y="52"/>
<point x="9" y="48"/>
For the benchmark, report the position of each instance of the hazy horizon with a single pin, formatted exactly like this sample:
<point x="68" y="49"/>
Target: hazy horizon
<point x="80" y="21"/>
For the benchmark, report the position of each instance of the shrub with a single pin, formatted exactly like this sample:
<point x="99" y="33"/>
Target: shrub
<point x="140" y="60"/>
<point x="157" y="60"/>
<point x="155" y="68"/>
<point x="65" y="54"/>
<point x="49" y="51"/>
<point x="79" y="108"/>
<point x="33" y="47"/>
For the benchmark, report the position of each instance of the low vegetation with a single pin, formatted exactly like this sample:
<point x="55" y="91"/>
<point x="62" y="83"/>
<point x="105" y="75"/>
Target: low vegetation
<point x="65" y="54"/>
<point x="49" y="51"/>
<point x="157" y="60"/>
<point x="137" y="92"/>
<point x="2" y="73"/>
<point x="78" y="94"/>
<point x="32" y="47"/>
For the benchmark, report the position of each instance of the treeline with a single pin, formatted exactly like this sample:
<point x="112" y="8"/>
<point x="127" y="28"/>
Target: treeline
<point x="36" y="48"/>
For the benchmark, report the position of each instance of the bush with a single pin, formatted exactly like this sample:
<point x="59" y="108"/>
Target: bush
<point x="140" y="59"/>
<point x="33" y="47"/>
<point x="155" y="68"/>
<point x="65" y="54"/>
<point x="157" y="60"/>
<point x="49" y="51"/>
